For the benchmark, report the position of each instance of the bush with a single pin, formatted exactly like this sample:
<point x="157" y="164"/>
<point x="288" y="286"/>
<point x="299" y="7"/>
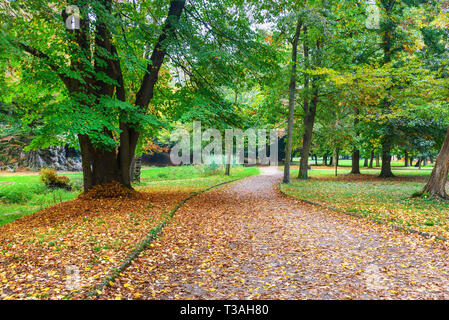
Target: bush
<point x="211" y="169"/>
<point x="51" y="179"/>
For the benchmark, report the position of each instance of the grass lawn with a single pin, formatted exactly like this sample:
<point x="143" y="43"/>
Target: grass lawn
<point x="23" y="193"/>
<point x="382" y="200"/>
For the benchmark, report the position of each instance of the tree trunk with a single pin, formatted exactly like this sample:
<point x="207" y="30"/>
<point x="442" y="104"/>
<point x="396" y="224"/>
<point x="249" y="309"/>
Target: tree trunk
<point x="291" y="104"/>
<point x="325" y="159"/>
<point x="228" y="165"/>
<point x="406" y="159"/>
<point x="336" y="160"/>
<point x="436" y="186"/>
<point x="309" y="113"/>
<point x="418" y="163"/>
<point x="331" y="161"/>
<point x="365" y="163"/>
<point x="371" y="160"/>
<point x="308" y="122"/>
<point x="136" y="166"/>
<point x="355" y="161"/>
<point x="386" y="160"/>
<point x="377" y="160"/>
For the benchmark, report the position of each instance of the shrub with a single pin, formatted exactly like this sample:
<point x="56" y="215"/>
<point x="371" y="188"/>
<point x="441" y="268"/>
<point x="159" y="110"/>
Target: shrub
<point x="51" y="179"/>
<point x="211" y="169"/>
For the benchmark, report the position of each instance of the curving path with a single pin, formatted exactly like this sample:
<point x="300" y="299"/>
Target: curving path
<point x="247" y="241"/>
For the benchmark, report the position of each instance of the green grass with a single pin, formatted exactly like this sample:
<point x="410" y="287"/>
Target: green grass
<point x="22" y="195"/>
<point x="387" y="201"/>
<point x="196" y="177"/>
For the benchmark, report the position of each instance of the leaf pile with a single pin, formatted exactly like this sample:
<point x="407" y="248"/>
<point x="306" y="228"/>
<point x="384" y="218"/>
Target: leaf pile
<point x="39" y="252"/>
<point x="109" y="190"/>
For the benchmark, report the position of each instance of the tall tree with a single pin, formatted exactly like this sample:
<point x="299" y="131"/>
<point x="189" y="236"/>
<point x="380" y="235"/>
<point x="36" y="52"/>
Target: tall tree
<point x="91" y="71"/>
<point x="291" y="101"/>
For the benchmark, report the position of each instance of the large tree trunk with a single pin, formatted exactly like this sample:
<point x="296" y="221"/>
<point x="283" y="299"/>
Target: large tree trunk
<point x="386" y="172"/>
<point x="100" y="166"/>
<point x="436" y="186"/>
<point x="355" y="161"/>
<point x="325" y="159"/>
<point x="291" y="104"/>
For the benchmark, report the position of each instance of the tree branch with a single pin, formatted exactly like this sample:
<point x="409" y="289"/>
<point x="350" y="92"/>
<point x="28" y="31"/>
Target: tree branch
<point x="145" y="93"/>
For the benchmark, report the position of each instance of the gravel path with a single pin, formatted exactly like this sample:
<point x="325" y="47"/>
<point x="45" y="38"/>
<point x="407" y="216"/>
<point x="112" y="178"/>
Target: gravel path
<point x="247" y="241"/>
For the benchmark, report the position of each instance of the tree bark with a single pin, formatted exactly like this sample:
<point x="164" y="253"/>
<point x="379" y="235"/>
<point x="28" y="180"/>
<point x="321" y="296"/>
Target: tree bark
<point x="377" y="160"/>
<point x="386" y="172"/>
<point x="336" y="151"/>
<point x="355" y="161"/>
<point x="309" y="108"/>
<point x="418" y="163"/>
<point x="436" y="186"/>
<point x="291" y="104"/>
<point x="371" y="160"/>
<point x="308" y="122"/>
<point x="228" y="165"/>
<point x="406" y="159"/>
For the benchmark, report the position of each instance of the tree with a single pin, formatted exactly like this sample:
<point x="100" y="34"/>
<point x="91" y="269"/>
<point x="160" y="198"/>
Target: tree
<point x="291" y="102"/>
<point x="90" y="67"/>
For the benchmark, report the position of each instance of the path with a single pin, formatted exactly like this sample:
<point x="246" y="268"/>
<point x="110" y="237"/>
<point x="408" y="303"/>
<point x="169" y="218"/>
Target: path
<point x="248" y="241"/>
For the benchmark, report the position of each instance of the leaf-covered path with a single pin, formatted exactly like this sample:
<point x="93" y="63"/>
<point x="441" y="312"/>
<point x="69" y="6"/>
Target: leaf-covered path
<point x="248" y="241"/>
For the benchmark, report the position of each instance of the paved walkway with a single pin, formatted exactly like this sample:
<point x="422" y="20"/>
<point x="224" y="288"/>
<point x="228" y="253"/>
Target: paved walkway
<point x="247" y="241"/>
